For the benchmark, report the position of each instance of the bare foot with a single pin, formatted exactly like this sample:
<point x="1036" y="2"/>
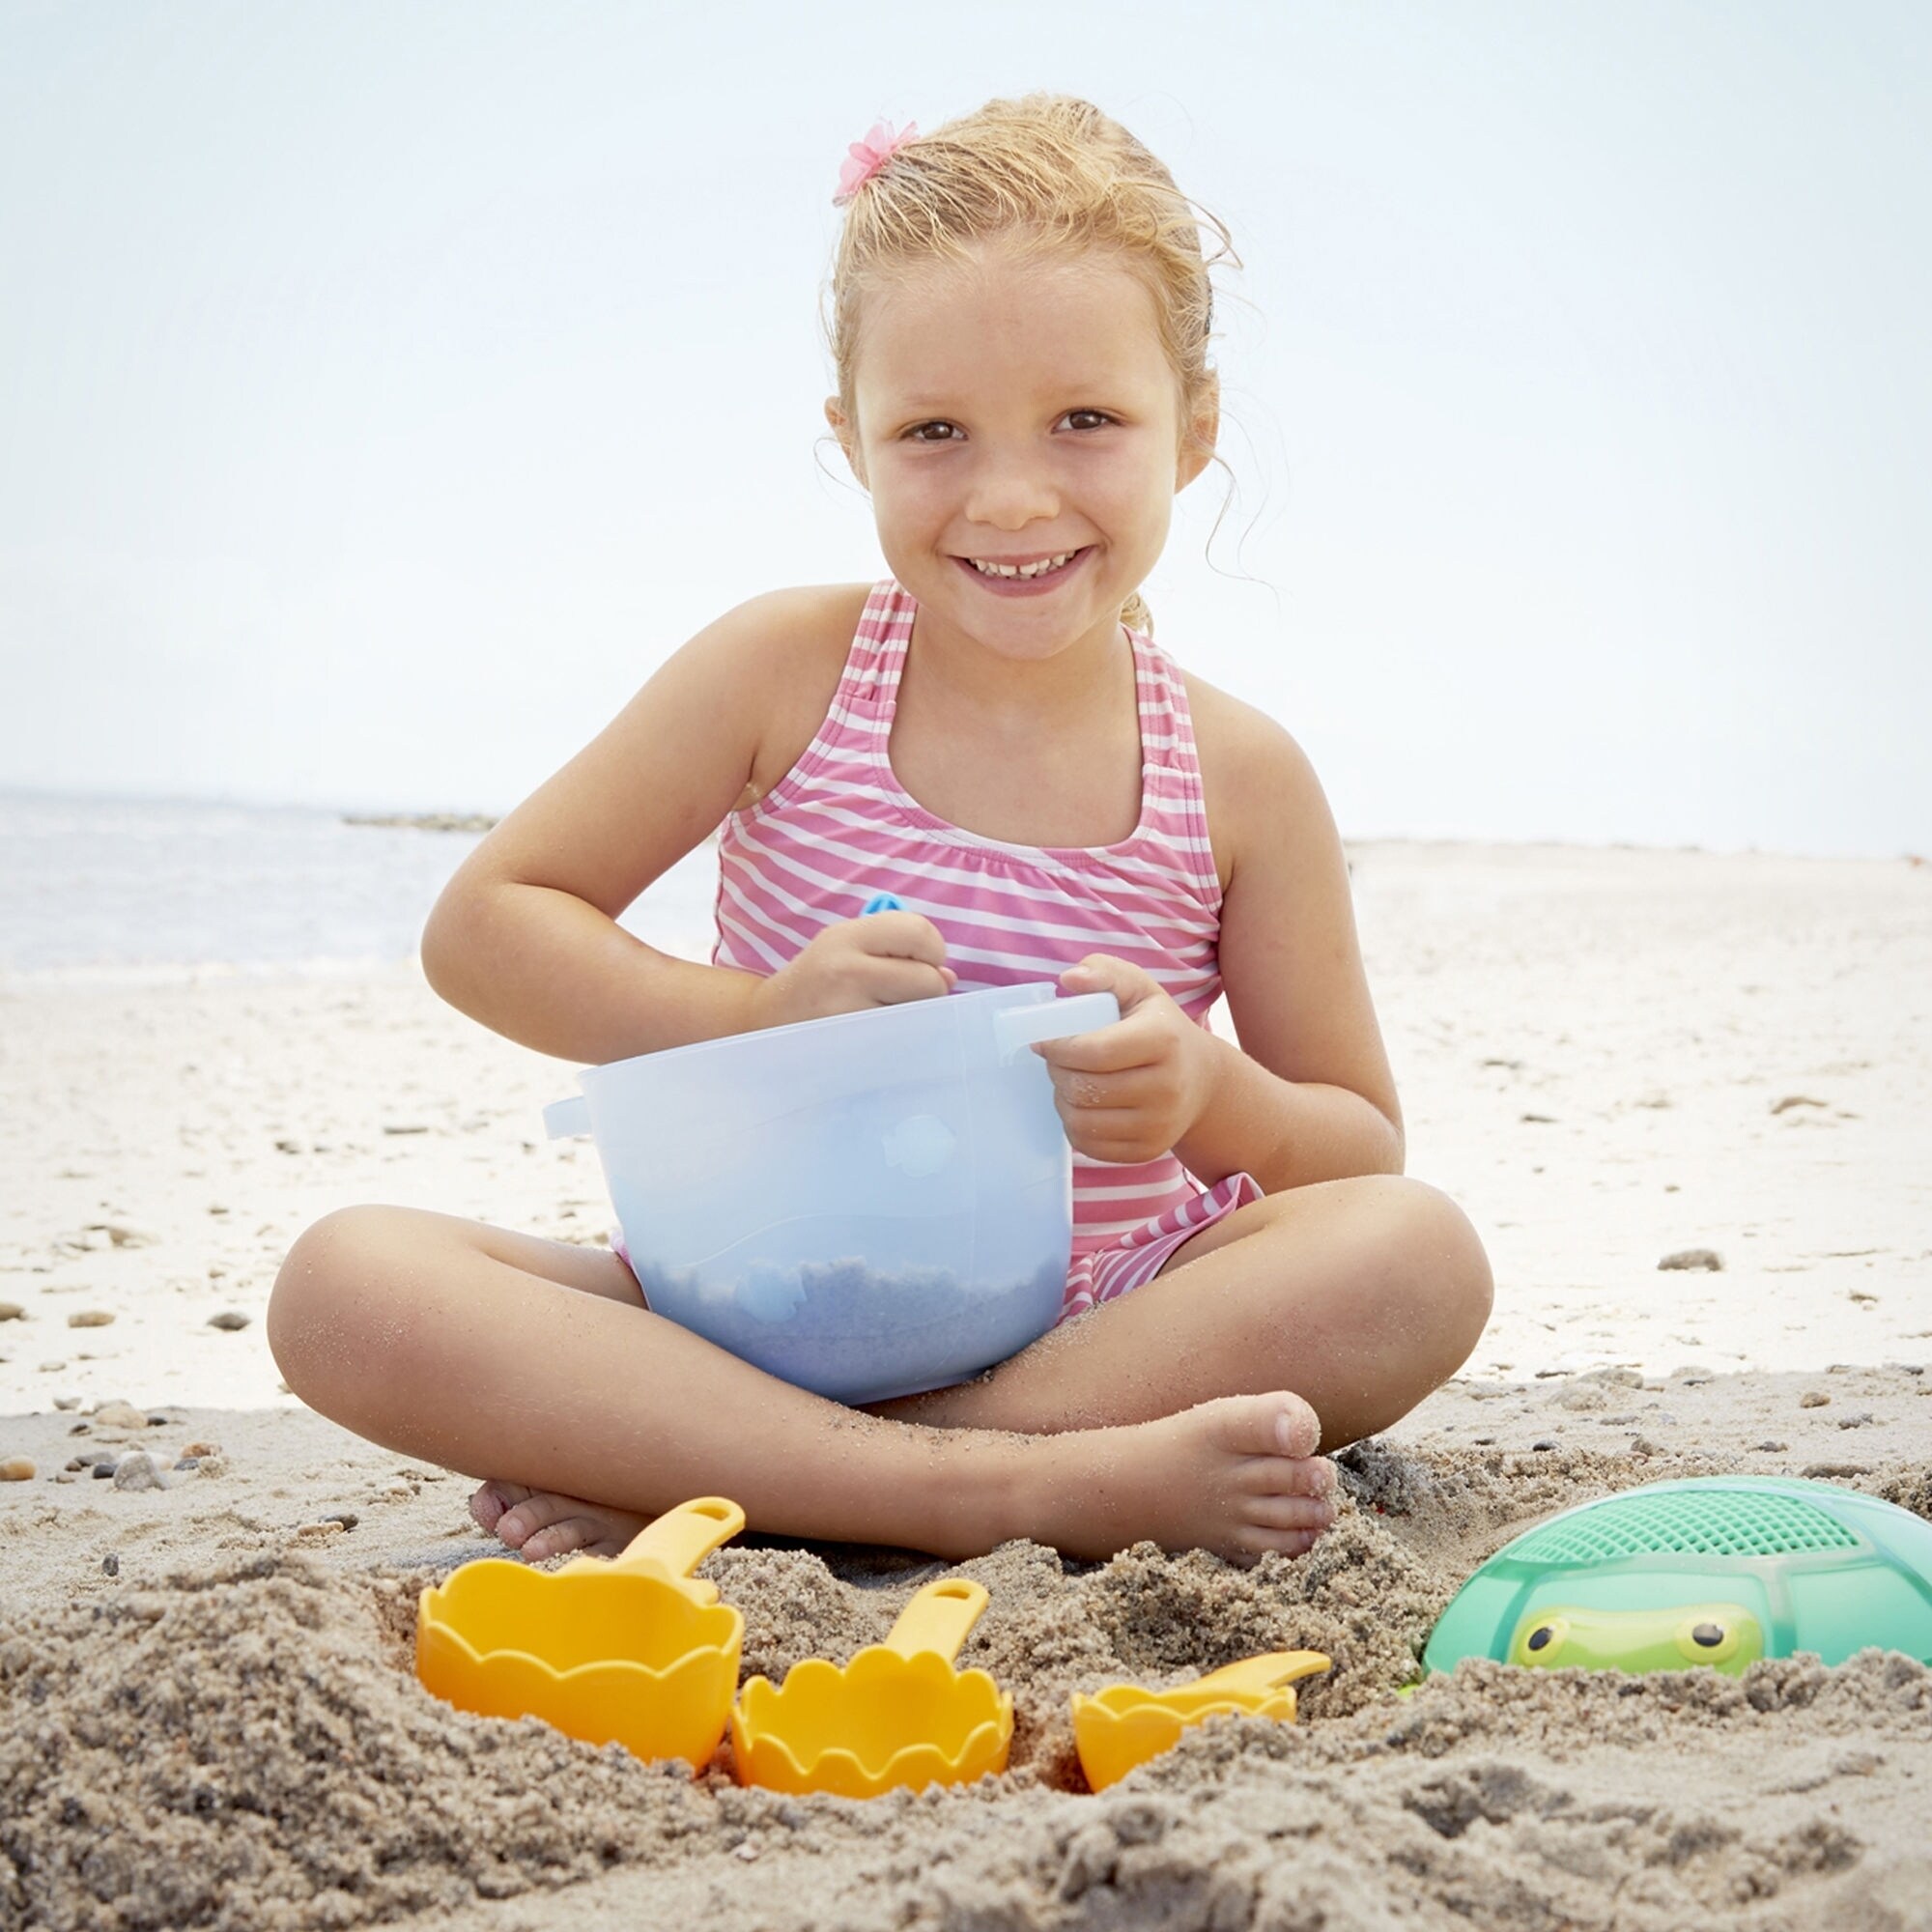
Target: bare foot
<point x="1237" y="1476"/>
<point x="539" y="1523"/>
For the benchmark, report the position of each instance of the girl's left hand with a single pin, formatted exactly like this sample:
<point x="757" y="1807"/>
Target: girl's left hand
<point x="1130" y="1092"/>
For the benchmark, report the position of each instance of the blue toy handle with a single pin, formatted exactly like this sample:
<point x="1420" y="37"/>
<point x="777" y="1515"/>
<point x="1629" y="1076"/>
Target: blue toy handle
<point x="882" y="903"/>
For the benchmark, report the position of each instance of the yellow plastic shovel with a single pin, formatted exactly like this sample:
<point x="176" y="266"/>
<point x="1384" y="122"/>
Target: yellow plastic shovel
<point x="898" y="1713"/>
<point x="632" y="1649"/>
<point x="1125" y="1726"/>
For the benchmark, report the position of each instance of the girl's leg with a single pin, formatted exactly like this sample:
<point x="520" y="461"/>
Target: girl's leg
<point x="1361" y="1295"/>
<point x="508" y="1357"/>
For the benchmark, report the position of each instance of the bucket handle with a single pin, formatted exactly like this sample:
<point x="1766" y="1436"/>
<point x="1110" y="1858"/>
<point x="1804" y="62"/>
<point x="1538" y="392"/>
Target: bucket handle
<point x="565" y="1118"/>
<point x="1051" y="1019"/>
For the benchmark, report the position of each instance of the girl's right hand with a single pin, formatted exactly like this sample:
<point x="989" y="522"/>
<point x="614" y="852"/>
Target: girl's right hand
<point x="883" y="959"/>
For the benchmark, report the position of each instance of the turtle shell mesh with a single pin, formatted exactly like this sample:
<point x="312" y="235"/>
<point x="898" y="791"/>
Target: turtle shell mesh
<point x="1734" y="1523"/>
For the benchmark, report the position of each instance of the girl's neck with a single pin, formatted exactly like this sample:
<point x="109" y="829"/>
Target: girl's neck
<point x="953" y="669"/>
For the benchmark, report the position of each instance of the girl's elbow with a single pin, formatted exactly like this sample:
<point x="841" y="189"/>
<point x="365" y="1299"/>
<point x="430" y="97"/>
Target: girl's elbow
<point x="449" y="939"/>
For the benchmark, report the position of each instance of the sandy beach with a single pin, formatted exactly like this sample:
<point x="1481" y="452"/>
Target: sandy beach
<point x="1613" y="1058"/>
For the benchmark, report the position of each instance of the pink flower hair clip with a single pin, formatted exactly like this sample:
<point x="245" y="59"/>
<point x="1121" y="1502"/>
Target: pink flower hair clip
<point x="865" y="159"/>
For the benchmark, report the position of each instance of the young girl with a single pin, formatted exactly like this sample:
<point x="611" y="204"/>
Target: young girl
<point x="1020" y="328"/>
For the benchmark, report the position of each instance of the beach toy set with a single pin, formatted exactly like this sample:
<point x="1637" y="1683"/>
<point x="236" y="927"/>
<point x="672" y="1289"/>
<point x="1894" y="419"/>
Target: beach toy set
<point x="865" y="1206"/>
<point x="638" y="1651"/>
<point x="1712" y="1571"/>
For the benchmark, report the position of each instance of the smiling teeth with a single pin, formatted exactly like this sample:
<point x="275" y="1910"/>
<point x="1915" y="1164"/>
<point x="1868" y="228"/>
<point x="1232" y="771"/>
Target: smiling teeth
<point x="1039" y="569"/>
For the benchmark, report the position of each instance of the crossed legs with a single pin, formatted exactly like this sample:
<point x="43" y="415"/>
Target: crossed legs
<point x="1185" y="1414"/>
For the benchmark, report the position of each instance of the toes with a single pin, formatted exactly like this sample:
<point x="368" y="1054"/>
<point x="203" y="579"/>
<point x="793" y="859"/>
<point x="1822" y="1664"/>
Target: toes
<point x="1297" y="1429"/>
<point x="1311" y="1514"/>
<point x="1266" y="1425"/>
<point x="536" y="1513"/>
<point x="488" y="1505"/>
<point x="1254" y="1541"/>
<point x="567" y="1534"/>
<point x="1290" y="1476"/>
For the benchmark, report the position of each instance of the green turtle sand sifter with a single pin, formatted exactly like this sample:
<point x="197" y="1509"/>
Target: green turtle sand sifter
<point x="1714" y="1569"/>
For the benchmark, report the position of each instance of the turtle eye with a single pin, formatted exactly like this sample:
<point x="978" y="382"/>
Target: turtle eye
<point x="1539" y="1638"/>
<point x="1708" y="1636"/>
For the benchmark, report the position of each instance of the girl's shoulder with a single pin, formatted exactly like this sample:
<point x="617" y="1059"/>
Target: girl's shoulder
<point x="793" y="646"/>
<point x="1256" y="781"/>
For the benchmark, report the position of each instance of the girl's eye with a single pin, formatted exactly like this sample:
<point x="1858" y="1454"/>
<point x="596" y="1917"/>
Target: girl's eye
<point x="1087" y="418"/>
<point x="935" y="431"/>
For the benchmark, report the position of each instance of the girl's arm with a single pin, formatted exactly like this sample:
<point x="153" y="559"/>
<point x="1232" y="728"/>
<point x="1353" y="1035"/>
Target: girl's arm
<point x="525" y="936"/>
<point x="1308" y="1095"/>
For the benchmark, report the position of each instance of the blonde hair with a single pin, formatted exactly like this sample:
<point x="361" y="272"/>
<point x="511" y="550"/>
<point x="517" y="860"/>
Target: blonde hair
<point x="1051" y="172"/>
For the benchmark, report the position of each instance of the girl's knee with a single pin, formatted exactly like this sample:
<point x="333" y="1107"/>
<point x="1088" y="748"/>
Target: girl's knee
<point x="325" y="1300"/>
<point x="1442" y="1255"/>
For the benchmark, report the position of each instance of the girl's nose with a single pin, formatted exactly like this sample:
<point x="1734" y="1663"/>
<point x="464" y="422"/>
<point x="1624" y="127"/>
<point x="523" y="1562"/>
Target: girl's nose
<point x="1009" y="494"/>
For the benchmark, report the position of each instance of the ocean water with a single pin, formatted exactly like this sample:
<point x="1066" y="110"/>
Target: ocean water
<point x="92" y="886"/>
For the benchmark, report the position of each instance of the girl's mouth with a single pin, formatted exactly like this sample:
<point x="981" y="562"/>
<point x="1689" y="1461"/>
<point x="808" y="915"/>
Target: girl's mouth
<point x="1032" y="578"/>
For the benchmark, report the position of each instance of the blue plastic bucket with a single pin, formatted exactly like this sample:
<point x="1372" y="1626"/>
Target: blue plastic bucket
<point x="867" y="1206"/>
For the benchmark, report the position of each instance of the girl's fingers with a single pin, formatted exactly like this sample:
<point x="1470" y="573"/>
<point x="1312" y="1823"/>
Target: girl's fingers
<point x="899" y="935"/>
<point x="1098" y="1053"/>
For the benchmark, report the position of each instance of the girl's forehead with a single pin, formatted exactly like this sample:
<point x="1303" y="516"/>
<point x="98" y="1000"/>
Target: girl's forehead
<point x="1002" y="315"/>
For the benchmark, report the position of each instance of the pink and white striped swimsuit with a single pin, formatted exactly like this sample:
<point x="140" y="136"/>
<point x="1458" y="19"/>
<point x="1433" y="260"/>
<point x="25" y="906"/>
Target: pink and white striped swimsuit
<point x="838" y="826"/>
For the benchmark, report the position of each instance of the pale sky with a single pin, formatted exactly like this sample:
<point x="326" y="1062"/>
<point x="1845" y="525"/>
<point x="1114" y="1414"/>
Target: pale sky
<point x="386" y="389"/>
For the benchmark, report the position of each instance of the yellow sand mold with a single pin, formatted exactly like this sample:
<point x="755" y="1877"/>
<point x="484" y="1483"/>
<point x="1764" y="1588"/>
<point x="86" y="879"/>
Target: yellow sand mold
<point x="633" y="1650"/>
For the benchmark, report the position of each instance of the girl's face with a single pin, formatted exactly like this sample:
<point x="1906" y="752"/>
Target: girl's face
<point x="1012" y="413"/>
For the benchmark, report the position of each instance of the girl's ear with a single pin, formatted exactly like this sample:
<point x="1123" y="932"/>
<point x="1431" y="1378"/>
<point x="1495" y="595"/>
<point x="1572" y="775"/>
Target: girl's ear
<point x="848" y="440"/>
<point x="1203" y="429"/>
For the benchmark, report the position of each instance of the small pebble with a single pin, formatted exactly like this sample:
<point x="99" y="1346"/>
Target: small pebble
<point x="230" y="1319"/>
<point x="12" y="1311"/>
<point x="1771" y="1448"/>
<point x="1813" y="1399"/>
<point x="187" y="1462"/>
<point x="110" y="1565"/>
<point x="90" y="1318"/>
<point x="125" y="1234"/>
<point x="81" y="1428"/>
<point x="80" y="1461"/>
<point x="67" y="1401"/>
<point x="119" y="1416"/>
<point x="1695" y="1258"/>
<point x="1542" y="1443"/>
<point x="1859" y="1419"/>
<point x="103" y="1471"/>
<point x="1642" y="1446"/>
<point x="348" y="1519"/>
<point x="202" y="1449"/>
<point x="138" y="1471"/>
<point x="17" y="1470"/>
<point x="318" y="1532"/>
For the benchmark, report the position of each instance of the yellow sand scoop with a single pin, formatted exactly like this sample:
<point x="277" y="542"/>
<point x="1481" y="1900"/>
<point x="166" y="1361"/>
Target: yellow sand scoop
<point x="1125" y="1726"/>
<point x="898" y="1713"/>
<point x="632" y="1649"/>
